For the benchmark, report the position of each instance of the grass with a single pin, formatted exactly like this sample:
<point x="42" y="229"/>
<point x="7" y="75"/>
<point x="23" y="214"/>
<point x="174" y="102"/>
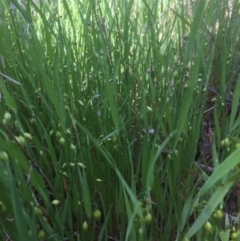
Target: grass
<point x="104" y="106"/>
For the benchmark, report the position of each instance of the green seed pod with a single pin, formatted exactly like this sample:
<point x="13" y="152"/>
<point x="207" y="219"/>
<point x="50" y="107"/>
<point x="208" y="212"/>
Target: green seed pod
<point x="7" y="118"/>
<point x="81" y="165"/>
<point x="72" y="147"/>
<point x="219" y="214"/>
<point x="208" y="226"/>
<point x="3" y="156"/>
<point x="62" y="140"/>
<point x="97" y="215"/>
<point x="85" y="226"/>
<point x="169" y="157"/>
<point x="222" y="144"/>
<point x="69" y="132"/>
<point x="227" y="142"/>
<point x="32" y="121"/>
<point x="21" y="140"/>
<point x="55" y="202"/>
<point x="149" y="108"/>
<point x="64" y="165"/>
<point x="27" y="136"/>
<point x="41" y="235"/>
<point x="237" y="145"/>
<point x="148" y="218"/>
<point x="234" y="236"/>
<point x="58" y="134"/>
<point x="37" y="211"/>
<point x="65" y="174"/>
<point x="176" y="74"/>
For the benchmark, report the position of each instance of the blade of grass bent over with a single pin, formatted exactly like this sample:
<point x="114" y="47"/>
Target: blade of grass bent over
<point x="221" y="171"/>
<point x="215" y="200"/>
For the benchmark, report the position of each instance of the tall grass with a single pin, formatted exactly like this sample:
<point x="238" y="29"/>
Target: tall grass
<point x="102" y="109"/>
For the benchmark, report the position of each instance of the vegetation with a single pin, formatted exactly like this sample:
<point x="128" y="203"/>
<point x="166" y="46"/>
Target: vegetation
<point x="106" y="111"/>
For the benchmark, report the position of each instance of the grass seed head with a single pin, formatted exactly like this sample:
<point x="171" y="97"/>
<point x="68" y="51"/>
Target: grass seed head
<point x="85" y="226"/>
<point x="219" y="214"/>
<point x="237" y="145"/>
<point x="32" y="121"/>
<point x="37" y="211"/>
<point x="21" y="140"/>
<point x="149" y="108"/>
<point x="208" y="226"/>
<point x="41" y="235"/>
<point x="72" y="147"/>
<point x="62" y="140"/>
<point x="148" y="218"/>
<point x="27" y="136"/>
<point x="55" y="202"/>
<point x="97" y="215"/>
<point x="234" y="236"/>
<point x="58" y="134"/>
<point x="4" y="156"/>
<point x="7" y="118"/>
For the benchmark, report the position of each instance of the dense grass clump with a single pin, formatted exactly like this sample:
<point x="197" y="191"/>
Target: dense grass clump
<point x="119" y="120"/>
